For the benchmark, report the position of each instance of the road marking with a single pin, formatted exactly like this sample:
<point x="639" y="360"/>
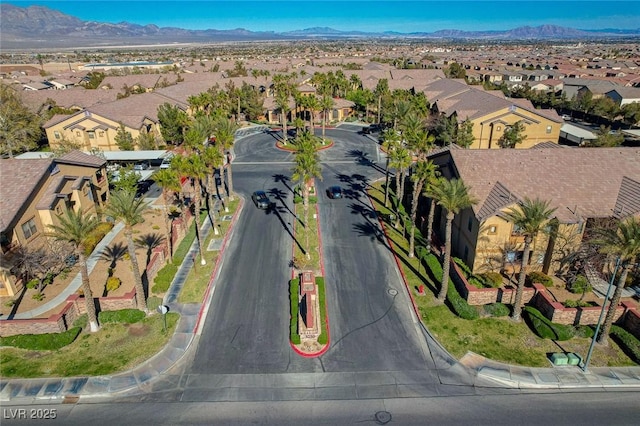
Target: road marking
<point x="284" y="163"/>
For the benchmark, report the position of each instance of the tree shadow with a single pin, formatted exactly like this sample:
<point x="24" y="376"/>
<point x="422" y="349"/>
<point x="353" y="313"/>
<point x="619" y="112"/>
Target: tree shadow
<point x="278" y="211"/>
<point x="284" y="180"/>
<point x="149" y="241"/>
<point x="281" y="197"/>
<point x="113" y="254"/>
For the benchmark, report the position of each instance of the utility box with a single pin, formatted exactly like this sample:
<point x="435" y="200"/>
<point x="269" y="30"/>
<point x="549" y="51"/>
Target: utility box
<point x="559" y="358"/>
<point x="573" y="359"/>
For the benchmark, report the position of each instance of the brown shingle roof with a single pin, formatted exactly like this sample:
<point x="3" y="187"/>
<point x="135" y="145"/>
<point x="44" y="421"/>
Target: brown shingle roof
<point x="18" y="180"/>
<point x="79" y="158"/>
<point x="579" y="182"/>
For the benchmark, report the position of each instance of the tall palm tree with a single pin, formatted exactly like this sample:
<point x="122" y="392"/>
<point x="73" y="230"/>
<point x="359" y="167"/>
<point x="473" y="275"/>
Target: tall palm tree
<point x="75" y="228"/>
<point x="169" y="181"/>
<point x="195" y="168"/>
<point x="453" y="196"/>
<point x="326" y="104"/>
<point x="623" y="243"/>
<point x="213" y="159"/>
<point x="312" y="105"/>
<point x="422" y="172"/>
<point x="225" y="131"/>
<point x="306" y="168"/>
<point x="282" y="102"/>
<point x="428" y="191"/>
<point x="390" y="141"/>
<point x="124" y="205"/>
<point x="529" y="218"/>
<point x="399" y="160"/>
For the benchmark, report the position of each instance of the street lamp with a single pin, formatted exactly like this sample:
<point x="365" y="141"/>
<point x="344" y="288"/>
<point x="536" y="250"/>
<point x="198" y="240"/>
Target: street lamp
<point x="163" y="309"/>
<point x="585" y="365"/>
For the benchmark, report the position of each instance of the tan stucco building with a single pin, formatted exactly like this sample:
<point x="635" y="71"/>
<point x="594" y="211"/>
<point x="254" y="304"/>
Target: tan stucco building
<point x="34" y="192"/>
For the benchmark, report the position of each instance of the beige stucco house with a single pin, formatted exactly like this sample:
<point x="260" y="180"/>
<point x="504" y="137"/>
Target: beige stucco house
<point x="582" y="184"/>
<point x="34" y="192"/>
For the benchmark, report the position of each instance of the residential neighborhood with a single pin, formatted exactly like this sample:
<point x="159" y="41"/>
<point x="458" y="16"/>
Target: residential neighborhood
<point x="342" y="220"/>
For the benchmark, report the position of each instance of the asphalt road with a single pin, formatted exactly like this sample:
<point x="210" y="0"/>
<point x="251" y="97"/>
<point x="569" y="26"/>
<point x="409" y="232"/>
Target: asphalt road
<point x="246" y="330"/>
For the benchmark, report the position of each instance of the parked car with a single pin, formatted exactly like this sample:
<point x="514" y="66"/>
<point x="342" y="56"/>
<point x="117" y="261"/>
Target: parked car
<point x="261" y="200"/>
<point x="366" y="130"/>
<point x="143" y="165"/>
<point x="334" y="192"/>
<point x="166" y="163"/>
<point x="143" y="187"/>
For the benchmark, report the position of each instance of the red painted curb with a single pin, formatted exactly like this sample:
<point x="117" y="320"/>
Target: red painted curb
<point x="218" y="260"/>
<point x="404" y="278"/>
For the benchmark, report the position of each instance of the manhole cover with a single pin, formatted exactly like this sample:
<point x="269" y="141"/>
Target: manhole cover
<point x="392" y="291"/>
<point x="383" y="417"/>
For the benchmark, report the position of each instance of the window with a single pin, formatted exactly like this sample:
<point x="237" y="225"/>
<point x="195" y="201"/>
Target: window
<point x="493" y="229"/>
<point x="29" y="228"/>
<point x="470" y="224"/>
<point x="78" y="133"/>
<point x="466" y="253"/>
<point x="92" y="135"/>
<point x="540" y="258"/>
<point x="549" y="129"/>
<point x="56" y="135"/>
<point x="101" y="134"/>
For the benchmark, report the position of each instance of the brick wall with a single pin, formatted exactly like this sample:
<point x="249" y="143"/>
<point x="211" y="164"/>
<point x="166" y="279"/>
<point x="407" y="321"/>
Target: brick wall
<point x="157" y="261"/>
<point x="631" y="320"/>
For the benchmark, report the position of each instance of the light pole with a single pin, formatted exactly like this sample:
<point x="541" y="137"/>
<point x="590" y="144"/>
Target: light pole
<point x="585" y="365"/>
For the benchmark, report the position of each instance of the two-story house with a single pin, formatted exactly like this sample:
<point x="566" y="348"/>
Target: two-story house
<point x="34" y="192"/>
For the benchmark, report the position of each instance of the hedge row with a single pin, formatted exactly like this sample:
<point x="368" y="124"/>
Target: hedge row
<point x="294" y="290"/>
<point x="545" y="328"/>
<point x="42" y="342"/>
<point x="458" y="303"/>
<point x="627" y="341"/>
<point x="324" y="336"/>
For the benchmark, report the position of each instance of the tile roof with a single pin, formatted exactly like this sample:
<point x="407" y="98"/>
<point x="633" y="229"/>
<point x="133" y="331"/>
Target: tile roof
<point x="79" y="158"/>
<point x="18" y="180"/>
<point x="579" y="182"/>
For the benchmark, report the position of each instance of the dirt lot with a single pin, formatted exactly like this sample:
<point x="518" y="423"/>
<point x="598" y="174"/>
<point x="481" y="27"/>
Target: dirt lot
<point x="150" y="231"/>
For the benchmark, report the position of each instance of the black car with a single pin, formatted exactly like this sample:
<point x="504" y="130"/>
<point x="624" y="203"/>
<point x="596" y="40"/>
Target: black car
<point x="261" y="200"/>
<point x="366" y="130"/>
<point x="334" y="192"/>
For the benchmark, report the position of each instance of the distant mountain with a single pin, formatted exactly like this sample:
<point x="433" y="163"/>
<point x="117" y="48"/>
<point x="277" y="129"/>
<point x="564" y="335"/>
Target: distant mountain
<point x="41" y="27"/>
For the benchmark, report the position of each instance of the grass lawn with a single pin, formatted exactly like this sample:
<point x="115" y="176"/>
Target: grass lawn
<point x="115" y="348"/>
<point x="198" y="279"/>
<point x="496" y="338"/>
<point x="301" y="233"/>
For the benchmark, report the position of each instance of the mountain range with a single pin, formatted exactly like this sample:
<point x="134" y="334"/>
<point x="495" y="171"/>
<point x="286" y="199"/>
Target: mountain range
<point x="37" y="27"/>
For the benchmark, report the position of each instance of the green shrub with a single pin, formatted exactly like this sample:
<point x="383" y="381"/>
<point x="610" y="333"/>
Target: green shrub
<point x="96" y="236"/>
<point x="492" y="279"/>
<point x="539" y="277"/>
<point x="113" y="283"/>
<point x="82" y="321"/>
<point x="497" y="309"/>
<point x="463" y="266"/>
<point x="575" y="303"/>
<point x="580" y="285"/>
<point x="128" y="316"/>
<point x="458" y="304"/>
<point x="31" y="284"/>
<point x="297" y="199"/>
<point x="585" y="331"/>
<point x="294" y="290"/>
<point x="545" y="328"/>
<point x="41" y="342"/>
<point x="475" y="281"/>
<point x="38" y="296"/>
<point x="162" y="281"/>
<point x="324" y="336"/>
<point x="629" y="343"/>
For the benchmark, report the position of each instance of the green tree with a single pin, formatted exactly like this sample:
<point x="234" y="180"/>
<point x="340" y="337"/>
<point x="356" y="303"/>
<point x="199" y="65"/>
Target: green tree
<point x="225" y="131"/>
<point x="19" y="128"/>
<point x="307" y="167"/>
<point x="390" y="142"/>
<point x="422" y="172"/>
<point x="455" y="70"/>
<point x="605" y="138"/>
<point x="146" y="141"/>
<point x="631" y="113"/>
<point x="464" y="134"/>
<point x="528" y="219"/>
<point x="173" y="122"/>
<point x="124" y="206"/>
<point x="623" y="243"/>
<point x="400" y="160"/>
<point x="513" y="135"/>
<point x="123" y="139"/>
<point x="428" y="191"/>
<point x="326" y="104"/>
<point x="444" y="129"/>
<point x="282" y="102"/>
<point x="125" y="179"/>
<point x="453" y="196"/>
<point x="169" y="181"/>
<point x="75" y="228"/>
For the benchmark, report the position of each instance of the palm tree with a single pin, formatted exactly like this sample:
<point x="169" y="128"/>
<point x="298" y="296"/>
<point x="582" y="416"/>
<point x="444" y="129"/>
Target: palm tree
<point x="195" y="168"/>
<point x="124" y="205"/>
<point x="529" y="218"/>
<point x="399" y="160"/>
<point x="453" y="196"/>
<point x="307" y="167"/>
<point x="282" y="102"/>
<point x="75" y="228"/>
<point x="213" y="159"/>
<point x="225" y="131"/>
<point x="431" y="183"/>
<point x="423" y="171"/>
<point x="169" y="181"/>
<point x="390" y="141"/>
<point x="622" y="242"/>
<point x="312" y="105"/>
<point x="326" y="104"/>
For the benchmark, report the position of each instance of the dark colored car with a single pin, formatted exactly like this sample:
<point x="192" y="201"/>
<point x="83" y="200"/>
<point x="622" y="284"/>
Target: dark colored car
<point x="366" y="130"/>
<point x="334" y="192"/>
<point x="143" y="187"/>
<point x="261" y="200"/>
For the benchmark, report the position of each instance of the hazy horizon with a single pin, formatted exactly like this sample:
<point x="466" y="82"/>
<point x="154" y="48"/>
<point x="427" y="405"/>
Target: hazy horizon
<point x="353" y="15"/>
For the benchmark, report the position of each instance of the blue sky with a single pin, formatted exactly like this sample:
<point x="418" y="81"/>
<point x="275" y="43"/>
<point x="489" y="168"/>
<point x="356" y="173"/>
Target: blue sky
<point x="364" y="15"/>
